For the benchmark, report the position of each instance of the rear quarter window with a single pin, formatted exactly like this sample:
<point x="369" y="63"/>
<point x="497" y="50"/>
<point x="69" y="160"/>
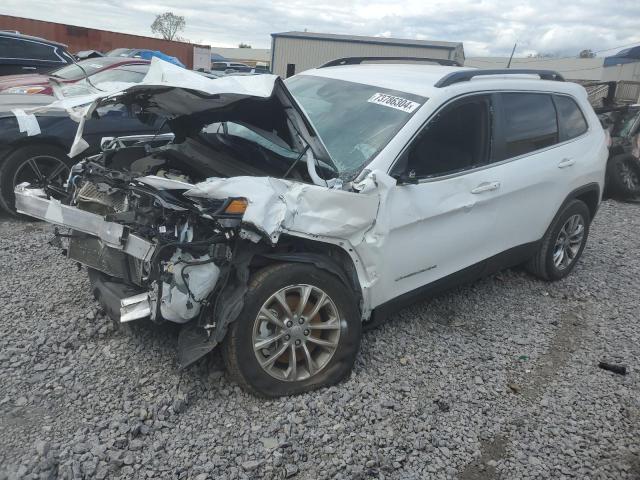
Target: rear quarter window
<point x="529" y="123"/>
<point x="572" y="121"/>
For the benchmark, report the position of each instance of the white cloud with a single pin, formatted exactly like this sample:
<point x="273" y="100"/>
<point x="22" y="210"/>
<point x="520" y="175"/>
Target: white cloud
<point x="487" y="27"/>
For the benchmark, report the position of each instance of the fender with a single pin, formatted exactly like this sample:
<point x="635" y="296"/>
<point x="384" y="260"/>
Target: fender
<point x="583" y="193"/>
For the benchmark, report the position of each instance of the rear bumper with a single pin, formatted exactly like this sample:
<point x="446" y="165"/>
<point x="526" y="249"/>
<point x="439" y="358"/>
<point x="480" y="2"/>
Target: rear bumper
<point x="33" y="202"/>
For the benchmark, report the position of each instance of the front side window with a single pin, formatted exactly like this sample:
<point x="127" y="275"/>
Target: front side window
<point x="355" y="121"/>
<point x="570" y="117"/>
<point x="455" y="140"/>
<point x="529" y="123"/>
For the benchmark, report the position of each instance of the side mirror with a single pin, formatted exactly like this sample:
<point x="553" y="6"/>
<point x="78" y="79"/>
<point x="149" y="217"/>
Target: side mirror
<point x="406" y="178"/>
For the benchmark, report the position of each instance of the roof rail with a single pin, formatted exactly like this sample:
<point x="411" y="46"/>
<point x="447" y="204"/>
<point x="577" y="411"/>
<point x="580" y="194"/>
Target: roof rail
<point x="358" y="60"/>
<point x="466" y="75"/>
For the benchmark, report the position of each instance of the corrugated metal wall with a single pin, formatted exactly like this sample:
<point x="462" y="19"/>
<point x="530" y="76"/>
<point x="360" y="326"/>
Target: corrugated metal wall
<point x="80" y="38"/>
<point x="309" y="53"/>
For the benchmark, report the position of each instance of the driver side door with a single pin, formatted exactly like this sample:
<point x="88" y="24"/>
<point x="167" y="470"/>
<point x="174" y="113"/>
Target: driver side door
<point x="441" y="213"/>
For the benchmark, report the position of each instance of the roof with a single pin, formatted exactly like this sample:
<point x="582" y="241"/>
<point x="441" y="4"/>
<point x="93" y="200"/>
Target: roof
<point x="374" y="40"/>
<point x="6" y="33"/>
<point x="420" y="79"/>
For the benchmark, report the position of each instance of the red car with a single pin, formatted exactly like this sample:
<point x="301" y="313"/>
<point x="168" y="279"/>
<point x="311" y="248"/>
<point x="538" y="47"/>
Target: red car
<point x="39" y="83"/>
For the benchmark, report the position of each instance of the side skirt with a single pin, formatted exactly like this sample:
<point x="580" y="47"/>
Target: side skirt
<point x="509" y="258"/>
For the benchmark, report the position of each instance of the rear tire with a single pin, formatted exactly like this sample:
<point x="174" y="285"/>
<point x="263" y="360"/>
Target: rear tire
<point x="623" y="176"/>
<point x="18" y="167"/>
<point x="562" y="245"/>
<point x="316" y="343"/>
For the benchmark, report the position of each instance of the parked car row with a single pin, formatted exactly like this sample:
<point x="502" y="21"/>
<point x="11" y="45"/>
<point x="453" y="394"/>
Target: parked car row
<point x="285" y="217"/>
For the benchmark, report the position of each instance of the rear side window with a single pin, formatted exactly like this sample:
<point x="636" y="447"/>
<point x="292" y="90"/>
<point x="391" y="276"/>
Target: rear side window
<point x="572" y="122"/>
<point x="529" y="123"/>
<point x="27" y="50"/>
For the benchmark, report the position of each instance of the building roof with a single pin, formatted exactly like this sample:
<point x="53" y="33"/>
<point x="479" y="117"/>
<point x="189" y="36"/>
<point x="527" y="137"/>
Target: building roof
<point x="375" y="40"/>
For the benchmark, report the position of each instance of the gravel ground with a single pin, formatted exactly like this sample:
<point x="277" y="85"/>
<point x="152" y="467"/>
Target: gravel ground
<point x="498" y="379"/>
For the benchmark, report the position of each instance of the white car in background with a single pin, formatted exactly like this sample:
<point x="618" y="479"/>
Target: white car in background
<point x="287" y="216"/>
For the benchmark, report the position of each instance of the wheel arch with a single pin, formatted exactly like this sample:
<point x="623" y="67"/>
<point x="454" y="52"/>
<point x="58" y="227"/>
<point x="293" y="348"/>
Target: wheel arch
<point x="326" y="256"/>
<point x="589" y="194"/>
<point x="36" y="140"/>
<point x="252" y="257"/>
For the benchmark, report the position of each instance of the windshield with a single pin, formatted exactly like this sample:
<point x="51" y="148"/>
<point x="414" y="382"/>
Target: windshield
<point x="626" y="123"/>
<point x="73" y="72"/>
<point x="354" y="121"/>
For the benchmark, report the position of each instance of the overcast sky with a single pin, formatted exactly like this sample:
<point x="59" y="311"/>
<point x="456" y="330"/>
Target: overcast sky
<point x="487" y="27"/>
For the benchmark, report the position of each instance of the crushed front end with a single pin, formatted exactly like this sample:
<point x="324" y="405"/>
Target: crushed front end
<point x="150" y="250"/>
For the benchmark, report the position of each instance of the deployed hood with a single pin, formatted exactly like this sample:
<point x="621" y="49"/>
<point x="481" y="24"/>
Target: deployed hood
<point x="190" y="101"/>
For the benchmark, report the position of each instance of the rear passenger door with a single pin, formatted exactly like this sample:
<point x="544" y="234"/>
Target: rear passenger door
<point x="534" y="159"/>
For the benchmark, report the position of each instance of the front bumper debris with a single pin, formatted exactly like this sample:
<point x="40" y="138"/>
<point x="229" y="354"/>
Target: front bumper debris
<point x="33" y="202"/>
<point x="122" y="302"/>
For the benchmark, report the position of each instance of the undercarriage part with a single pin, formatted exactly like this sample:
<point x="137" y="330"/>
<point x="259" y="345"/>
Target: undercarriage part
<point x="194" y="342"/>
<point x="91" y="252"/>
<point x="122" y="302"/>
<point x="190" y="283"/>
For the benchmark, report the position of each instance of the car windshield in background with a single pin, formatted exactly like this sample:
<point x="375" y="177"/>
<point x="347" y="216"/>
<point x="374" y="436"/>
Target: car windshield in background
<point x="355" y="121"/>
<point x="107" y="78"/>
<point x="74" y="72"/>
<point x="626" y="123"/>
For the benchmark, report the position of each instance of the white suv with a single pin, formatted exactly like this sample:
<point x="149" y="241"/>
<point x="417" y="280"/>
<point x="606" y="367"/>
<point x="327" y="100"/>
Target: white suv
<point x="285" y="216"/>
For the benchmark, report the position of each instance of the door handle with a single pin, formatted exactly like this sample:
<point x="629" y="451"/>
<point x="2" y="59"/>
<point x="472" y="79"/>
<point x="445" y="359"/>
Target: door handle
<point x="486" y="187"/>
<point x="566" y="162"/>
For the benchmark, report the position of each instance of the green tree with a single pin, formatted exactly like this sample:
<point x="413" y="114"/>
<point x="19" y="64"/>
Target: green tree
<point x="244" y="45"/>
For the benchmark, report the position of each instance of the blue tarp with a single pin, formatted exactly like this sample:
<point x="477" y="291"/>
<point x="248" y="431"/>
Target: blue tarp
<point x="148" y="54"/>
<point x="628" y="55"/>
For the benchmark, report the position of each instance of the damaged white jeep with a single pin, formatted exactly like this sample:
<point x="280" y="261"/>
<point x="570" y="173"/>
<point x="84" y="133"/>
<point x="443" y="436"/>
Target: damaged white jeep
<point x="285" y="216"/>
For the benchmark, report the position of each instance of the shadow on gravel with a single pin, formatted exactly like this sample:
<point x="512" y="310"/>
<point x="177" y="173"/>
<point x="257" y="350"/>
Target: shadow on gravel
<point x="484" y="468"/>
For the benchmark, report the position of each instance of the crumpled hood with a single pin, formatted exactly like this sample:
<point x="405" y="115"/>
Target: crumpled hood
<point x="190" y="101"/>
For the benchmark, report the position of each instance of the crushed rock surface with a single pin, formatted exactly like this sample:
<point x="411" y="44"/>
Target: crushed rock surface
<point x="494" y="380"/>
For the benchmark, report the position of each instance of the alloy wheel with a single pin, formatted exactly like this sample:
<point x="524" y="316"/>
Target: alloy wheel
<point x="42" y="170"/>
<point x="296" y="332"/>
<point x="568" y="242"/>
<point x="628" y="175"/>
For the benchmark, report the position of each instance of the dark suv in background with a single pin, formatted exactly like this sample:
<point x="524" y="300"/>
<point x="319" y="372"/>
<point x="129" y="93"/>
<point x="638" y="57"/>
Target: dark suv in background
<point x="24" y="54"/>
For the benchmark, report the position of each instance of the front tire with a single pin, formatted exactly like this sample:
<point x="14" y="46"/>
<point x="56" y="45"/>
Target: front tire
<point x="36" y="164"/>
<point x="299" y="330"/>
<point x="563" y="243"/>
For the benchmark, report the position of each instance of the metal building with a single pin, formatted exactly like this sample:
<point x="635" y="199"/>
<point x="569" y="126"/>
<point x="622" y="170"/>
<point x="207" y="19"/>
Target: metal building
<point x="294" y="52"/>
